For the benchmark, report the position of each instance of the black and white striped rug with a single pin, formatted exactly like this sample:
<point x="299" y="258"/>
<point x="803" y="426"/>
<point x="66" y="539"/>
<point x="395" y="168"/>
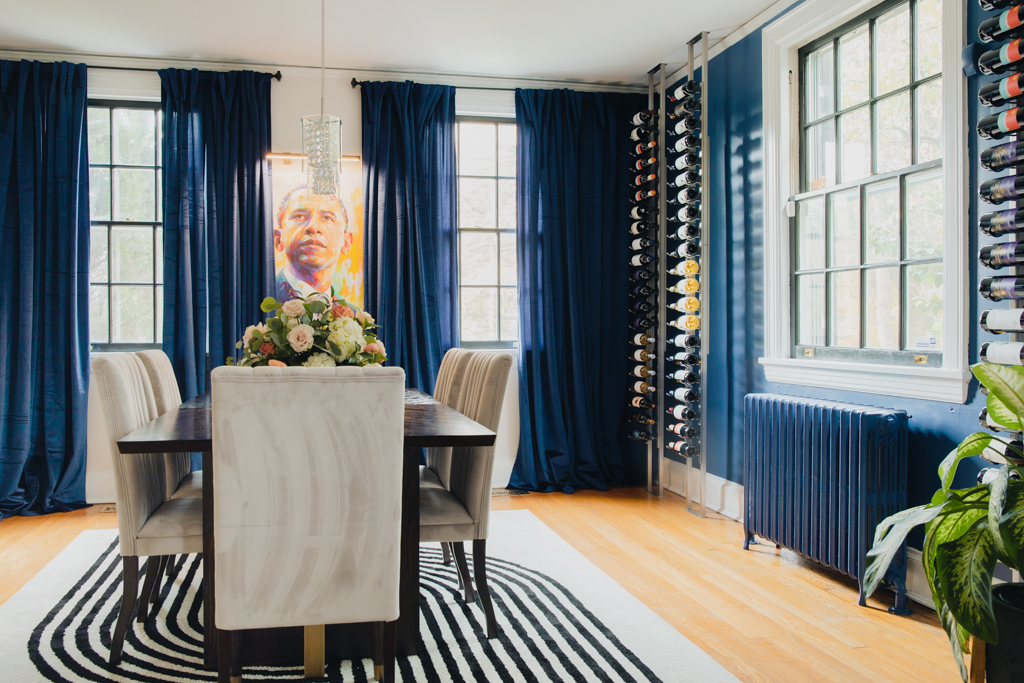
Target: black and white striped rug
<point x="557" y="622"/>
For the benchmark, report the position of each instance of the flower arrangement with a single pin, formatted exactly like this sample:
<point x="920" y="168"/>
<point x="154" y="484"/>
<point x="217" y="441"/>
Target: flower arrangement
<point x="315" y="332"/>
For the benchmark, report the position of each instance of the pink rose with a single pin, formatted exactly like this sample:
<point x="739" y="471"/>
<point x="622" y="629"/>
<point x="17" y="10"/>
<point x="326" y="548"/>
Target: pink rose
<point x="364" y="318"/>
<point x="341" y="311"/>
<point x="293" y="308"/>
<point x="276" y="364"/>
<point x="267" y="348"/>
<point x="373" y="347"/>
<point x="301" y="338"/>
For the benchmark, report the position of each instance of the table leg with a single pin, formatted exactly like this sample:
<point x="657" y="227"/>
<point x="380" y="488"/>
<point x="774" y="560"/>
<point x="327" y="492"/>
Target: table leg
<point x="209" y="630"/>
<point x="408" y="626"/>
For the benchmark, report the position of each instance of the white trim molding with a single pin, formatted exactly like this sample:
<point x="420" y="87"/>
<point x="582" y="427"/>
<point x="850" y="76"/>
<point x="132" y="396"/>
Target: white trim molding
<point x="724" y="497"/>
<point x="781" y="41"/>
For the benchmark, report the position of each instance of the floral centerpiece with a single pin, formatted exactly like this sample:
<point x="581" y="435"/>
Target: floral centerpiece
<point x="316" y="332"/>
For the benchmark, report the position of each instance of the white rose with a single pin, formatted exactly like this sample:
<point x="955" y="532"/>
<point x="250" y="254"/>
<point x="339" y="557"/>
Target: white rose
<point x="364" y="318"/>
<point x="247" y="337"/>
<point x="301" y="338"/>
<point x="293" y="308"/>
<point x="347" y="334"/>
<point x="319" y="360"/>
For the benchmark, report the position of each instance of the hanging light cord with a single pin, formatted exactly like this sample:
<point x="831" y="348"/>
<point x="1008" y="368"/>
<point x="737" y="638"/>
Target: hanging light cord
<point x="323" y="49"/>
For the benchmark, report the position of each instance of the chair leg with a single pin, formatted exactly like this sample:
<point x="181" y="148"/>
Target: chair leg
<point x="446" y="554"/>
<point x="170" y="563"/>
<point x="161" y="570"/>
<point x="235" y="657"/>
<point x="130" y="592"/>
<point x="378" y="650"/>
<point x="480" y="569"/>
<point x="458" y="572"/>
<point x="389" y="652"/>
<point x="460" y="562"/>
<point x="153" y="567"/>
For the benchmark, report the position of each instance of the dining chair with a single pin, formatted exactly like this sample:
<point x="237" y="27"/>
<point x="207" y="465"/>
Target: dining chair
<point x="307" y="466"/>
<point x="447" y="390"/>
<point x="460" y="512"/>
<point x="148" y="524"/>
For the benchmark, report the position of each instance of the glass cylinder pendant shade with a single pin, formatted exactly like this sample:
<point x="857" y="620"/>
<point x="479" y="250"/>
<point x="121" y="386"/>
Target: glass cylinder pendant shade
<point x="321" y="146"/>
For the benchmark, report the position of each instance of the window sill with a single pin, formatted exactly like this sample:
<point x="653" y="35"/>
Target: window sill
<point x="931" y="384"/>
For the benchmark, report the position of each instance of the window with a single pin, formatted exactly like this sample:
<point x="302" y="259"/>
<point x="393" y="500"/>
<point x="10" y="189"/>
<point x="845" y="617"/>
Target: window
<point x="865" y="214"/>
<point x="488" y="300"/>
<point x="125" y="205"/>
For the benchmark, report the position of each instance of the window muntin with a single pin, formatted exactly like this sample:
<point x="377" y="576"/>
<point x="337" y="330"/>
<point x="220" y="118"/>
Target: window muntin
<point x="867" y="259"/>
<point x="125" y="206"/>
<point x="488" y="297"/>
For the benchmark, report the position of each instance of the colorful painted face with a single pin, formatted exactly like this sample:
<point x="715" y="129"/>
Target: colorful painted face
<point x="313" y="232"/>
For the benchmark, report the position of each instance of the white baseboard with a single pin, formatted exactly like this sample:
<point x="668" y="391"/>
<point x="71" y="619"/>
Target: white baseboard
<point x="99" y="487"/>
<point x="917" y="582"/>
<point x="723" y="496"/>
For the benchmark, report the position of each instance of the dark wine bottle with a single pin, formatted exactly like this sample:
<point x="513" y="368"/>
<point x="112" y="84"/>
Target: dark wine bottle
<point x="1002" y="222"/>
<point x="641" y="291"/>
<point x="688" y="177"/>
<point x="999" y="288"/>
<point x="691" y="123"/>
<point x="643" y="371"/>
<point x="642" y="243"/>
<point x="643" y="148"/>
<point x="998" y="93"/>
<point x="683" y="413"/>
<point x="1003" y="353"/>
<point x="642" y="259"/>
<point x="1006" y="155"/>
<point x="688" y="195"/>
<point x="643" y="163"/>
<point x="685" y="395"/>
<point x="689" y="212"/>
<point x="1006" y="25"/>
<point x="687" y="142"/>
<point x="641" y="307"/>
<point x="642" y="387"/>
<point x="684" y="430"/>
<point x="682" y="358"/>
<point x="643" y="355"/>
<point x="685" y="250"/>
<point x="1001" y="189"/>
<point x="642" y="117"/>
<point x="689" y="231"/>
<point x="641" y="275"/>
<point x="641" y="402"/>
<point x="640" y="133"/>
<point x="640" y="227"/>
<point x="690" y="87"/>
<point x="1003" y="320"/>
<point x="685" y="341"/>
<point x="997" y="126"/>
<point x="638" y="212"/>
<point x="643" y="179"/>
<point x="1001" y="255"/>
<point x="643" y="196"/>
<point x="683" y="448"/>
<point x="642" y="323"/>
<point x="642" y="339"/>
<point x="689" y="105"/>
<point x="640" y="434"/>
<point x="687" y="160"/>
<point x="685" y="377"/>
<point x="642" y="419"/>
<point x="999" y="60"/>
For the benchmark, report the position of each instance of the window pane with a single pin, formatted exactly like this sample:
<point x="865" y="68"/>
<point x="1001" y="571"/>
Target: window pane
<point x="134" y="137"/>
<point x="883" y="222"/>
<point x="99" y="330"/>
<point x="820" y="153"/>
<point x="924" y="215"/>
<point x="844" y="228"/>
<point x="509" y="275"/>
<point x="892" y="125"/>
<point x="134" y="194"/>
<point x="159" y="314"/>
<point x="507" y="149"/>
<point x="98" y="254"/>
<point x="928" y="41"/>
<point x="844" y="308"/>
<point x="928" y="113"/>
<point x="509" y="314"/>
<point x="924" y="307"/>
<point x="810" y="329"/>
<point x="159" y="136"/>
<point x="99" y="135"/>
<point x="818" y="80"/>
<point x="479" y="313"/>
<point x="131" y="314"/>
<point x="159" y="195"/>
<point x="99" y="194"/>
<point x="159" y="258"/>
<point x="892" y="50"/>
<point x="810" y="221"/>
<point x="507" y="204"/>
<point x="855" y="137"/>
<point x="477" y="203"/>
<point x="882" y="308"/>
<point x="131" y="254"/>
<point x="477" y="148"/>
<point x="478" y="260"/>
<point x="854" y="53"/>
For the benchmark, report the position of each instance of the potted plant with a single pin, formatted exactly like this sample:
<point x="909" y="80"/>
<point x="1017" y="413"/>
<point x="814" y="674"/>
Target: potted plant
<point x="967" y="531"/>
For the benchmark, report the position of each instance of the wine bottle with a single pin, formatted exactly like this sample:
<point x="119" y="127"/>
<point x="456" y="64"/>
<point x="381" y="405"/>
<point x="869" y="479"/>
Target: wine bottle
<point x="643" y="148"/>
<point x="685" y="250"/>
<point x="1001" y="189"/>
<point x="686" y="305"/>
<point x="687" y="322"/>
<point x="641" y="275"/>
<point x="641" y="164"/>
<point x="690" y="87"/>
<point x="642" y="243"/>
<point x="999" y="288"/>
<point x="641" y="387"/>
<point x="685" y="286"/>
<point x="640" y="434"/>
<point x="1006" y="25"/>
<point x="643" y="371"/>
<point x="640" y="132"/>
<point x="1006" y="155"/>
<point x="685" y="376"/>
<point x="1002" y="254"/>
<point x="641" y="291"/>
<point x="685" y="395"/>
<point x="685" y="341"/>
<point x="999" y="125"/>
<point x="640" y="227"/>
<point x="687" y="177"/>
<point x="643" y="179"/>
<point x="687" y="160"/>
<point x="687" y="358"/>
<point x="643" y="196"/>
<point x="684" y="430"/>
<point x="643" y="355"/>
<point x="683" y="448"/>
<point x="688" y="105"/>
<point x="642" y="117"/>
<point x="638" y="212"/>
<point x="641" y="402"/>
<point x="691" y="123"/>
<point x="1003" y="320"/>
<point x="686" y="142"/>
<point x="1002" y="222"/>
<point x="1004" y="353"/>
<point x="642" y="419"/>
<point x="641" y="307"/>
<point x="688" y="195"/>
<point x="999" y="60"/>
<point x="689" y="267"/>
<point x="689" y="212"/>
<point x="682" y="413"/>
<point x="642" y="259"/>
<point x="642" y="323"/>
<point x="643" y="339"/>
<point x="998" y="93"/>
<point x="690" y="231"/>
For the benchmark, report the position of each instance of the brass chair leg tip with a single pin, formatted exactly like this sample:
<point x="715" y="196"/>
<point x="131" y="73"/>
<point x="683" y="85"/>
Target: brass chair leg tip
<point x="378" y="672"/>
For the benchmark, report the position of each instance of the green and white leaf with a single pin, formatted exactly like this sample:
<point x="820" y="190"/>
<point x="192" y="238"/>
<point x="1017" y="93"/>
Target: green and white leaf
<point x="965" y="567"/>
<point x="972" y="445"/>
<point x="1011" y="526"/>
<point x="1006" y="392"/>
<point x="889" y="536"/>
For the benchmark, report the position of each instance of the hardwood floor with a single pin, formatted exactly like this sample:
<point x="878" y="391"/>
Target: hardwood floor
<point x="765" y="615"/>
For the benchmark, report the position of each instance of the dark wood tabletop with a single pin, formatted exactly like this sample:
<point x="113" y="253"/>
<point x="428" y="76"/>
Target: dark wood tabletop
<point x="188" y="428"/>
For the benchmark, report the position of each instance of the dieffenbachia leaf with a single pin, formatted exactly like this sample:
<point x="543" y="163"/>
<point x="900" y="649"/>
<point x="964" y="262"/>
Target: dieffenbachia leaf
<point x="996" y="501"/>
<point x="1011" y="526"/>
<point x="889" y="536"/>
<point x="965" y="567"/>
<point x="1006" y="385"/>
<point x="972" y="445"/>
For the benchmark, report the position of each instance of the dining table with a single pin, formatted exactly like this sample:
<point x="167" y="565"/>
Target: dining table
<point x="428" y="423"/>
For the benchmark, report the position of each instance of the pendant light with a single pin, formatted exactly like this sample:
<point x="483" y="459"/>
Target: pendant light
<point x="321" y="135"/>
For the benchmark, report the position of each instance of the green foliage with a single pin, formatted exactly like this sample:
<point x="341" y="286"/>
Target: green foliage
<point x="269" y="304"/>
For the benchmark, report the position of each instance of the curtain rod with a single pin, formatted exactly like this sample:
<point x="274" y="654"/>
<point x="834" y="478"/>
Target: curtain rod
<point x="356" y="83"/>
<point x="276" y="76"/>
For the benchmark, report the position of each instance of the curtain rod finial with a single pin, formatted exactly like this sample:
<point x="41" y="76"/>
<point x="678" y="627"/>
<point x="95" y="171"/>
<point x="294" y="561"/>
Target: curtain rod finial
<point x="277" y="77"/>
<point x="355" y="83"/>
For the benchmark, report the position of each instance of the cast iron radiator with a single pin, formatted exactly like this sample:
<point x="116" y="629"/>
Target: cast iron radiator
<point x="819" y="476"/>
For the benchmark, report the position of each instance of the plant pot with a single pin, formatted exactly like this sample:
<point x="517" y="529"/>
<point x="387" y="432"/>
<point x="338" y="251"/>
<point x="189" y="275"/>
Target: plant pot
<point x="1004" y="663"/>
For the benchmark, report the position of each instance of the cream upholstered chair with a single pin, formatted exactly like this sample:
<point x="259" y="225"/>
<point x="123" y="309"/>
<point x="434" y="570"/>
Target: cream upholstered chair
<point x="460" y="512"/>
<point x="182" y="482"/>
<point x="307" y="465"/>
<point x="147" y="524"/>
<point x="447" y="390"/>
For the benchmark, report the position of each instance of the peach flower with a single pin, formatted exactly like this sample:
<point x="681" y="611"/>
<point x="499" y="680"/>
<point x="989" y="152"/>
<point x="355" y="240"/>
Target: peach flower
<point x="276" y="364"/>
<point x="341" y="311"/>
<point x="267" y="348"/>
<point x="301" y="338"/>
<point x="364" y="318"/>
<point x="373" y="347"/>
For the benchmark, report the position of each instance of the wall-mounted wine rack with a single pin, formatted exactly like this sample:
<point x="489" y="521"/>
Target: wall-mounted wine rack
<point x="669" y="139"/>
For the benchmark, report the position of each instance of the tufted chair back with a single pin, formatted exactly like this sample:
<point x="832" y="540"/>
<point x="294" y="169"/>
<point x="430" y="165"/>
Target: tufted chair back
<point x="448" y="390"/>
<point x="165" y="392"/>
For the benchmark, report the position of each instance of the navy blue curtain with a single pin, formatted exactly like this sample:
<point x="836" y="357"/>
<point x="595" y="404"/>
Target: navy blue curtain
<point x="218" y="242"/>
<point x="573" y="172"/>
<point x="411" y="238"/>
<point x="44" y="287"/>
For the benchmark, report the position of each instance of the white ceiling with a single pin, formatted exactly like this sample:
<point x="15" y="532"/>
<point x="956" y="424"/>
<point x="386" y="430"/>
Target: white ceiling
<point x="604" y="41"/>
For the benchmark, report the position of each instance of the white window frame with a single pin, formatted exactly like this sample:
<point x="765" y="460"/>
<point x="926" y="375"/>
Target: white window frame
<point x="780" y="44"/>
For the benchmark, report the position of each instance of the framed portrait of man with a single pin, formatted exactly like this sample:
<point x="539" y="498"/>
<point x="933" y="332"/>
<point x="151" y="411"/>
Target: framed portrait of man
<point x="318" y="240"/>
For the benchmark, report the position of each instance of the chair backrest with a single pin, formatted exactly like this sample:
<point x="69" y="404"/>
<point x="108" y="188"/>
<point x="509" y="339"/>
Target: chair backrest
<point x="448" y="390"/>
<point x="483" y="393"/>
<point x="166" y="394"/>
<point x="126" y="400"/>
<point x="307" y="466"/>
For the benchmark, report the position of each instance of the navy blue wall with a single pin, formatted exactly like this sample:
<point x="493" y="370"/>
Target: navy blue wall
<point x="736" y="292"/>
